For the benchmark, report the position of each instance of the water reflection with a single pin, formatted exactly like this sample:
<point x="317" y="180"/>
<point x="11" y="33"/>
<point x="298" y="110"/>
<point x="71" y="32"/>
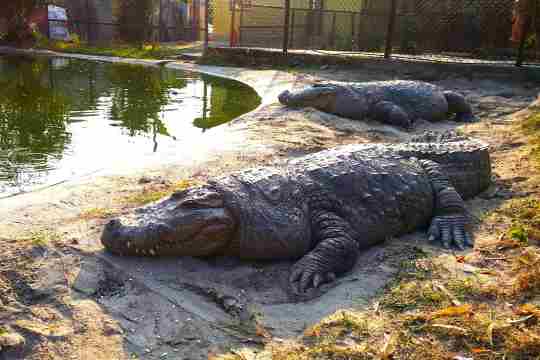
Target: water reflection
<point x="226" y="101"/>
<point x="61" y="117"/>
<point x="33" y="120"/>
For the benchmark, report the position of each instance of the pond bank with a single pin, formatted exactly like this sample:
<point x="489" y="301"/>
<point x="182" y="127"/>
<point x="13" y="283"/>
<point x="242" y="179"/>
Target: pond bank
<point x="192" y="307"/>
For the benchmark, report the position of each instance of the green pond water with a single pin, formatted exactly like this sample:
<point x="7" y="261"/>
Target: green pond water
<point x="62" y="118"/>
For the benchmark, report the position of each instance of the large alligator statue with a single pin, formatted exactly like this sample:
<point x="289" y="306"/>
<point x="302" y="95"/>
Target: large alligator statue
<point x="396" y="103"/>
<point x="321" y="209"/>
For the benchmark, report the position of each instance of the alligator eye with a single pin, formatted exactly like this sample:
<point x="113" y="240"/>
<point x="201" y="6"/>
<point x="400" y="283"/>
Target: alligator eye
<point x="203" y="199"/>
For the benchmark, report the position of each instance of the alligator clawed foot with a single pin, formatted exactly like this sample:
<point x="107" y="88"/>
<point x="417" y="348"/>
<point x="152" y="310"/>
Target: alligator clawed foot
<point x="450" y="230"/>
<point x="306" y="277"/>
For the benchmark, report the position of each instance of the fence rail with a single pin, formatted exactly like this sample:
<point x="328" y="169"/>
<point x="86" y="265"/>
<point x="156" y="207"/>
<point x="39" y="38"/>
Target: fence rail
<point x="468" y="28"/>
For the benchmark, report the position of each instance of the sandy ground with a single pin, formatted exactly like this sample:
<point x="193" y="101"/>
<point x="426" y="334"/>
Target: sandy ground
<point x="69" y="299"/>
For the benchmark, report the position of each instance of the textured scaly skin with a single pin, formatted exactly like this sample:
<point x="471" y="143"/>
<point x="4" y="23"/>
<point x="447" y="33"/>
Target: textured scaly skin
<point x="396" y="102"/>
<point x="322" y="208"/>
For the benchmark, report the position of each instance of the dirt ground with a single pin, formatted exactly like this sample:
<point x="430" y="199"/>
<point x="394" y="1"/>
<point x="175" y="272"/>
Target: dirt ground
<point x="66" y="298"/>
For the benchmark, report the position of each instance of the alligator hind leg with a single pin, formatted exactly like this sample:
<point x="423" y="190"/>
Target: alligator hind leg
<point x="389" y="113"/>
<point x="459" y="106"/>
<point x="336" y="252"/>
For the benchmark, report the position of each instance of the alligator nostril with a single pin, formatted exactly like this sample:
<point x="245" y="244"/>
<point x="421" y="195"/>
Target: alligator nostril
<point x="284" y="97"/>
<point x="113" y="224"/>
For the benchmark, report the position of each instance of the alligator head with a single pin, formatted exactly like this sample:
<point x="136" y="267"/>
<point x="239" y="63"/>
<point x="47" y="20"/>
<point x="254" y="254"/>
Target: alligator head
<point x="193" y="222"/>
<point x="319" y="96"/>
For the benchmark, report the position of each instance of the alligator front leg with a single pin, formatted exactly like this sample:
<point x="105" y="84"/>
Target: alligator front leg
<point x="450" y="220"/>
<point x="336" y="252"/>
<point x="459" y="106"/>
<point x="389" y="113"/>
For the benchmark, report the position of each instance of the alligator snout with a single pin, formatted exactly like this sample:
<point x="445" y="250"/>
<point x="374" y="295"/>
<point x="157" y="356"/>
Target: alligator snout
<point x="284" y="97"/>
<point x="135" y="240"/>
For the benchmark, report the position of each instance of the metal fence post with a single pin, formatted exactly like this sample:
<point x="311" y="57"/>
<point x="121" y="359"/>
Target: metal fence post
<point x="522" y="41"/>
<point x="233" y="20"/>
<point x="240" y="22"/>
<point x="87" y="21"/>
<point x="48" y="22"/>
<point x="291" y="32"/>
<point x="391" y="26"/>
<point x="286" y="26"/>
<point x="206" y="23"/>
<point x="160" y="20"/>
<point x="332" y="35"/>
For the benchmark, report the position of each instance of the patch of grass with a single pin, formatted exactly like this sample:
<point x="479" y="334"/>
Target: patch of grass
<point x="97" y="213"/>
<point x="531" y="128"/>
<point x="146" y="197"/>
<point x="407" y="295"/>
<point x="152" y="193"/>
<point x="526" y="272"/>
<point x="524" y="215"/>
<point x="136" y="51"/>
<point x="342" y="322"/>
<point x="43" y="238"/>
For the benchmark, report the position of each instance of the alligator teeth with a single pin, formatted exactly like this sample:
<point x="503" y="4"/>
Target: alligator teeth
<point x="152" y="252"/>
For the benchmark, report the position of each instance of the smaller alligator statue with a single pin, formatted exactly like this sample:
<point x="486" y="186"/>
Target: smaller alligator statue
<point x="321" y="209"/>
<point x="396" y="103"/>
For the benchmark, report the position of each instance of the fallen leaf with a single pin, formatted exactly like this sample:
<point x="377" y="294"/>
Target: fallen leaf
<point x="451" y="311"/>
<point x="388" y="348"/>
<point x="262" y="332"/>
<point x="454" y="300"/>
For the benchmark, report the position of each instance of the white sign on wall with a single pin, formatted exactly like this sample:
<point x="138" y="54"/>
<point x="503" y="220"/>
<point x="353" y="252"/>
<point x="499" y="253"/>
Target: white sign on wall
<point x="58" y="29"/>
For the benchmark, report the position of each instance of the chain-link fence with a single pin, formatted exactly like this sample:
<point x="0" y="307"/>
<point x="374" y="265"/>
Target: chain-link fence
<point x="470" y="28"/>
<point x="458" y="28"/>
<point x="131" y="21"/>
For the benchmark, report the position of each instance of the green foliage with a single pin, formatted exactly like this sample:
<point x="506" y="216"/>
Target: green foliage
<point x="17" y="12"/>
<point x="40" y="40"/>
<point x="518" y="233"/>
<point x="32" y="117"/>
<point x="139" y="94"/>
<point x="228" y="100"/>
<point x="75" y="39"/>
<point x="43" y="238"/>
<point x="135" y="51"/>
<point x="531" y="42"/>
<point x="135" y="20"/>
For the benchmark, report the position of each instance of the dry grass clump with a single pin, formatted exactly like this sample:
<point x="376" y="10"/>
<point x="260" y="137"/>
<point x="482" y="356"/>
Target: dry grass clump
<point x="155" y="192"/>
<point x="443" y="309"/>
<point x="530" y="126"/>
<point x="97" y="213"/>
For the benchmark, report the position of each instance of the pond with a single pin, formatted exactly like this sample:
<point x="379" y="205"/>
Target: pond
<point x="62" y="118"/>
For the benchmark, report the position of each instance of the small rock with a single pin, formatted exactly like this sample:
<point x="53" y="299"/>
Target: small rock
<point x="145" y="180"/>
<point x="12" y="340"/>
<point x="111" y="328"/>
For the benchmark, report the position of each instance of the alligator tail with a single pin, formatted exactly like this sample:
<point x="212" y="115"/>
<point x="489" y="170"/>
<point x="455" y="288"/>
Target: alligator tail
<point x="465" y="161"/>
